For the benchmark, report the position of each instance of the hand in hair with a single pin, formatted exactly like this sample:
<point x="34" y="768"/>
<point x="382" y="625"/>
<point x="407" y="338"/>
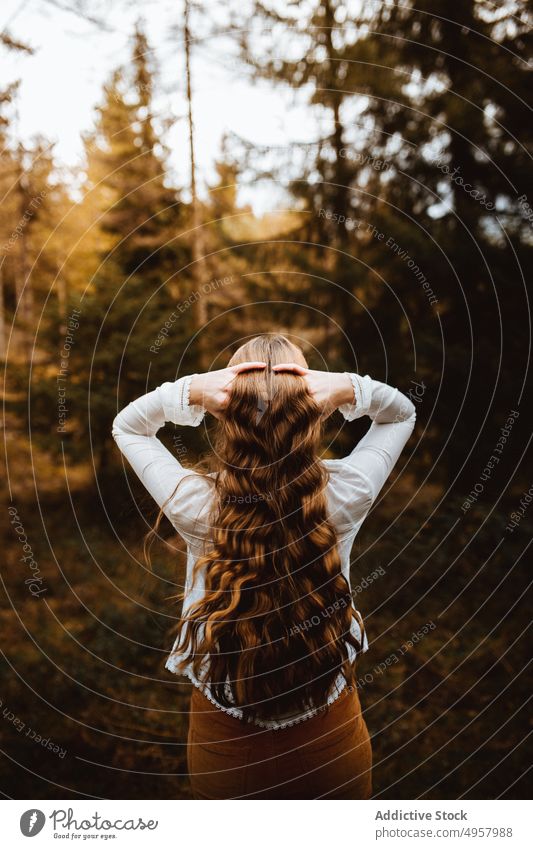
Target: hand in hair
<point x="329" y="389"/>
<point x="212" y="389"/>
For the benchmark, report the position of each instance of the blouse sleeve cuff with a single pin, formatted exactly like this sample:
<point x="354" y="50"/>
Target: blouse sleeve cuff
<point x="175" y="399"/>
<point x="362" y="389"/>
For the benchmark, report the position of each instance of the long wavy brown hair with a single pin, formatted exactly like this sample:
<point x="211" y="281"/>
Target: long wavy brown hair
<point x="272" y="631"/>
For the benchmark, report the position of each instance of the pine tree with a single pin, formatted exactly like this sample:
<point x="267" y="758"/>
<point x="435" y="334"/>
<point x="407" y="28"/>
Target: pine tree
<point x="9" y="217"/>
<point x="414" y="96"/>
<point x="134" y="216"/>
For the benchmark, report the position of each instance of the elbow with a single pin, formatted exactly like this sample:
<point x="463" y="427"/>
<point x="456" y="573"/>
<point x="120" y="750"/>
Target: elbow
<point x="410" y="409"/>
<point x="411" y="421"/>
<point x="406" y="412"/>
<point x="116" y="427"/>
<point x="409" y="404"/>
<point x="407" y="409"/>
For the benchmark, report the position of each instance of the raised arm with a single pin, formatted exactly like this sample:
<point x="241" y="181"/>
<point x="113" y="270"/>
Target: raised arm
<point x="393" y="417"/>
<point x="184" y="402"/>
<point x="363" y="472"/>
<point x="134" y="431"/>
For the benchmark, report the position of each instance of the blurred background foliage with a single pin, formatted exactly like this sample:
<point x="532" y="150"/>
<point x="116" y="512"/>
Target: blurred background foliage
<point x="417" y="98"/>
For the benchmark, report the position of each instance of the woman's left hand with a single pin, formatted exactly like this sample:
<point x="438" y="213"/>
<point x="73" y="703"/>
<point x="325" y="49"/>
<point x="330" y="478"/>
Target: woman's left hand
<point x="329" y="389"/>
<point x="212" y="389"/>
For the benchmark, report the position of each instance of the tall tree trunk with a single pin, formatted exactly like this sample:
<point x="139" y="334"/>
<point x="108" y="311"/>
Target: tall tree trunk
<point x="199" y="266"/>
<point x="3" y="338"/>
<point x="23" y="283"/>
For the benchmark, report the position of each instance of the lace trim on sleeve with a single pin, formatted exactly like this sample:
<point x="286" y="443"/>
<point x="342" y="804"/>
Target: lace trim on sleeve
<point x="362" y="389"/>
<point x="186" y="391"/>
<point x="190" y="413"/>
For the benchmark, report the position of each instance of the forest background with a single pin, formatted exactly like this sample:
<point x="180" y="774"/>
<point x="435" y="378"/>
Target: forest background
<point x="396" y="241"/>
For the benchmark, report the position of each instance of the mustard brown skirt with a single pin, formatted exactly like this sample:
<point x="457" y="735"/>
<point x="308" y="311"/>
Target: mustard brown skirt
<point x="328" y="756"/>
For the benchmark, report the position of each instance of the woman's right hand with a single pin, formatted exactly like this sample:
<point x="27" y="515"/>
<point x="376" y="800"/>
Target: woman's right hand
<point x="329" y="389"/>
<point x="212" y="389"/>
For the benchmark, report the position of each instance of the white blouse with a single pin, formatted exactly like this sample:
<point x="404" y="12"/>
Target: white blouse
<point x="354" y="482"/>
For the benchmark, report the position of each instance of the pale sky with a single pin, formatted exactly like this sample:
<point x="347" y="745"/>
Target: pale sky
<point x="62" y="82"/>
